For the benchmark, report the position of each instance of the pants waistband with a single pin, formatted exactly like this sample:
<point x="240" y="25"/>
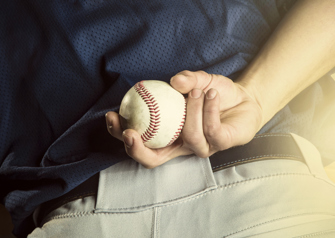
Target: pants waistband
<point x="261" y="147"/>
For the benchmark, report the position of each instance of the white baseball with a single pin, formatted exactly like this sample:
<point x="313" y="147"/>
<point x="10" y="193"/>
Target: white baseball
<point x="155" y="110"/>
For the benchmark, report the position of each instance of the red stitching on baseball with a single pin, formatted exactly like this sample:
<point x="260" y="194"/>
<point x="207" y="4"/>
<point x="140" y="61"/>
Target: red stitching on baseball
<point x="176" y="135"/>
<point x="154" y="123"/>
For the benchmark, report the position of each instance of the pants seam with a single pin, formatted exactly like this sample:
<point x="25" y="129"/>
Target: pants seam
<point x="186" y="198"/>
<point x="276" y="219"/>
<point x="153" y="227"/>
<point x="157" y="222"/>
<point x="230" y="185"/>
<point x="205" y="192"/>
<point x="316" y="234"/>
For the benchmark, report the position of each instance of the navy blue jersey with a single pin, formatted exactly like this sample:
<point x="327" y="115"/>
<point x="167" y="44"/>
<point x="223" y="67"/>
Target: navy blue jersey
<point x="64" y="64"/>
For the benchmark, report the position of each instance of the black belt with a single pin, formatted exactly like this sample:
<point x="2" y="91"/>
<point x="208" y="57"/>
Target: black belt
<point x="261" y="147"/>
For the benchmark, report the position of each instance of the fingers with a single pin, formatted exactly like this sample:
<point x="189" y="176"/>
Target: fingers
<point x="149" y="158"/>
<point x="192" y="133"/>
<point x="216" y="120"/>
<point x="132" y="140"/>
<point x="114" y="125"/>
<point x="215" y="136"/>
<point x="202" y="132"/>
<point x="212" y="123"/>
<point x="186" y="80"/>
<point x="137" y="150"/>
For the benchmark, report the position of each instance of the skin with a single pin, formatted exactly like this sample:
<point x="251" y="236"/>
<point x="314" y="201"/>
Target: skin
<point x="330" y="171"/>
<point x="222" y="113"/>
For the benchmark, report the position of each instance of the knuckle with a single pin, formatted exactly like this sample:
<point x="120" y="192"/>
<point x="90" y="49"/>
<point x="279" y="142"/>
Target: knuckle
<point x="183" y="75"/>
<point x="201" y="72"/>
<point x="211" y="131"/>
<point x="186" y="73"/>
<point x="206" y="75"/>
<point x="179" y="76"/>
<point x="192" y="140"/>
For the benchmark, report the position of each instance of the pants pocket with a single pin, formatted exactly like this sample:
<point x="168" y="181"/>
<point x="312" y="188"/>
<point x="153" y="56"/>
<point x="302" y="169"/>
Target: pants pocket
<point x="128" y="186"/>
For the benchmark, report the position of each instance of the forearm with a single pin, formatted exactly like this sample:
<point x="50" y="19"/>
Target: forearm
<point x="299" y="52"/>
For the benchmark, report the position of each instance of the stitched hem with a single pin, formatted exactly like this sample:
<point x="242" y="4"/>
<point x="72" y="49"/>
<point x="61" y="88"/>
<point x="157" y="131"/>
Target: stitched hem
<point x="316" y="234"/>
<point x="253" y="159"/>
<point x="191" y="197"/>
<point x="200" y="194"/>
<point x="277" y="219"/>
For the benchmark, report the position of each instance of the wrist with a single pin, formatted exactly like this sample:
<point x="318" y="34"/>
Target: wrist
<point x="259" y="95"/>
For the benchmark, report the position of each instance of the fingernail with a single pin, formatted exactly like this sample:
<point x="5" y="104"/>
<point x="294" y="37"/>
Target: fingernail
<point x="211" y="94"/>
<point x="108" y="122"/>
<point x="196" y="93"/>
<point x="128" y="140"/>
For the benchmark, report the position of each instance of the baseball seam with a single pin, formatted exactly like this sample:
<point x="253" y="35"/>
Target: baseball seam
<point x="154" y="111"/>
<point x="176" y="135"/>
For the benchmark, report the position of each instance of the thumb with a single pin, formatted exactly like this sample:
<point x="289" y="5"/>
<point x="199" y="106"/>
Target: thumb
<point x="186" y="80"/>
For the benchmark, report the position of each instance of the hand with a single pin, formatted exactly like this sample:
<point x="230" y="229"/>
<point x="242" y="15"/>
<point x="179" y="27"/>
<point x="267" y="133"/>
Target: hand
<point x="220" y="114"/>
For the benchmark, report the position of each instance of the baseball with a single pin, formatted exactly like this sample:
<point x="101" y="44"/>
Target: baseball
<point x="155" y="110"/>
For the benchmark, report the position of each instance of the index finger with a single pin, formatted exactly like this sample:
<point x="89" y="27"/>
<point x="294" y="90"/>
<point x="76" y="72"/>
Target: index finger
<point x="186" y="80"/>
<point x="151" y="158"/>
